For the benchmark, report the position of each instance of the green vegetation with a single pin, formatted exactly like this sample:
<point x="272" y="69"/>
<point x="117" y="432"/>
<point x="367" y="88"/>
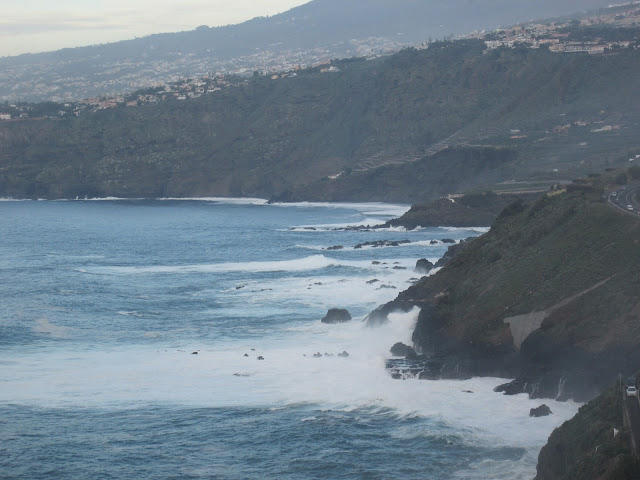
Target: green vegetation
<point x="568" y="253"/>
<point x="473" y="209"/>
<point x="585" y="446"/>
<point x="410" y="127"/>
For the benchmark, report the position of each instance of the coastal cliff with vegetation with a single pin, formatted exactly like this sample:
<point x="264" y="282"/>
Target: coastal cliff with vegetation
<point x="549" y="297"/>
<point x="594" y="444"/>
<point x="409" y="127"/>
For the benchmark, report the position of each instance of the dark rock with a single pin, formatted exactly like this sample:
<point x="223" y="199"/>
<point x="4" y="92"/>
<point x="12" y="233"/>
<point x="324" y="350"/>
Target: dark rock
<point x="382" y="243"/>
<point x="467" y="391"/>
<point x="246" y="354"/>
<point x="260" y="357"/>
<point x="336" y="247"/>
<point x="239" y="287"/>
<point x="328" y="354"/>
<point x="433" y="242"/>
<point x="402" y="350"/>
<point x="375" y="262"/>
<point x="344" y="354"/>
<point x="337" y="315"/>
<point x="448" y="240"/>
<point x="194" y="353"/>
<point x="385" y="287"/>
<point x="542" y="411"/>
<point x="452" y="251"/>
<point x="371" y="282"/>
<point x="317" y="355"/>
<point x="399" y="268"/>
<point x="423" y="266"/>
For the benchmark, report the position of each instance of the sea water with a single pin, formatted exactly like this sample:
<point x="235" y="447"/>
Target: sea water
<point x="130" y="333"/>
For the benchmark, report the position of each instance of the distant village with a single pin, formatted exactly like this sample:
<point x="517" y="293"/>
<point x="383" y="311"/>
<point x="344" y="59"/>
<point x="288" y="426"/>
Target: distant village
<point x="556" y="36"/>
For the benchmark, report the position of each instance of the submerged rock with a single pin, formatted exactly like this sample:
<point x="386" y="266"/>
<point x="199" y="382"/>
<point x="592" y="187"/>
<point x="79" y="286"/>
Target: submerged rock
<point x="337" y="315"/>
<point x="542" y="411"/>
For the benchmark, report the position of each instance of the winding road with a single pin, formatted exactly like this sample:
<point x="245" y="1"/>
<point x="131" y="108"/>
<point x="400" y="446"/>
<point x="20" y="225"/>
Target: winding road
<point x="626" y="199"/>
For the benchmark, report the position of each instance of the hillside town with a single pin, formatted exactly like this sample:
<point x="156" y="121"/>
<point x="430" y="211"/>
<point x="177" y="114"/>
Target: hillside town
<point x="563" y="37"/>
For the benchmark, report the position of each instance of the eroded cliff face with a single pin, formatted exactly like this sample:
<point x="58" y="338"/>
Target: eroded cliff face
<point x="549" y="296"/>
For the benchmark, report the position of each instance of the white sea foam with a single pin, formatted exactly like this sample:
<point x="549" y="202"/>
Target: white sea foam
<point x="366" y="208"/>
<point x="289" y="375"/>
<point x="480" y="230"/>
<point x="222" y="200"/>
<point x="314" y="262"/>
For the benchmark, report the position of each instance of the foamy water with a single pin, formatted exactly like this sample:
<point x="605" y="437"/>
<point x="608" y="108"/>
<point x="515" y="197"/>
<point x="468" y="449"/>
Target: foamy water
<point x="105" y="304"/>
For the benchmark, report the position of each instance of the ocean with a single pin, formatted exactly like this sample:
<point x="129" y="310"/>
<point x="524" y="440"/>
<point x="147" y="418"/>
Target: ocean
<point x="131" y="331"/>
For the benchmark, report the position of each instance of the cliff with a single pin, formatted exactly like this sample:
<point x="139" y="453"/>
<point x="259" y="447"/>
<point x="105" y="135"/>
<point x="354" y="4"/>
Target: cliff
<point x="549" y="296"/>
<point x="586" y="447"/>
<point x="410" y="127"/>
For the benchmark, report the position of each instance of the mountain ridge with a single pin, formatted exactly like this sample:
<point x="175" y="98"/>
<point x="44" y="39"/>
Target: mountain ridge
<point x="338" y="29"/>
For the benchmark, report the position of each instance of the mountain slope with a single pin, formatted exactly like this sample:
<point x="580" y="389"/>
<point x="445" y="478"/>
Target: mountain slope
<point x="309" y="34"/>
<point x="373" y="121"/>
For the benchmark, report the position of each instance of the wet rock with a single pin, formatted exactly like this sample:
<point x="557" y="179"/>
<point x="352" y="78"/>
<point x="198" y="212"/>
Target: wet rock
<point x="467" y="391"/>
<point x="371" y="282"/>
<point x="246" y="354"/>
<point x="260" y="357"/>
<point x="344" y="354"/>
<point x="382" y="243"/>
<point x="386" y="287"/>
<point x="542" y="411"/>
<point x="194" y="353"/>
<point x="336" y="247"/>
<point x="399" y="268"/>
<point x="239" y="287"/>
<point x="317" y="355"/>
<point x="424" y="266"/>
<point x="337" y="315"/>
<point x="375" y="262"/>
<point x="448" y="240"/>
<point x="433" y="242"/>
<point x="402" y="350"/>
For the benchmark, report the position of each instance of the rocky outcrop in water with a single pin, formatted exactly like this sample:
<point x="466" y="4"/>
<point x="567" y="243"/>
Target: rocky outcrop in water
<point x="424" y="266"/>
<point x="541" y="411"/>
<point x="382" y="243"/>
<point x="402" y="350"/>
<point x="336" y="315"/>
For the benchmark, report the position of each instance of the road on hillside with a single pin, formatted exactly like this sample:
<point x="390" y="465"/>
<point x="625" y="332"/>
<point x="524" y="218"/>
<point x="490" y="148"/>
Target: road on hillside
<point x="626" y="199"/>
<point x="632" y="407"/>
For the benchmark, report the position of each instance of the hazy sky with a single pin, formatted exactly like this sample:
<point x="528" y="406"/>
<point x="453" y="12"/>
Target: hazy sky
<point x="43" y="25"/>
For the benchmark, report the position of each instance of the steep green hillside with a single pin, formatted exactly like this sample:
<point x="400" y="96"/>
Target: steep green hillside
<point x="369" y="121"/>
<point x="568" y="264"/>
<point x="473" y="209"/>
<point x="585" y="446"/>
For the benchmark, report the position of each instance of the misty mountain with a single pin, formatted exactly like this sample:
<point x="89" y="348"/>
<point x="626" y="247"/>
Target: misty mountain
<point x="310" y="34"/>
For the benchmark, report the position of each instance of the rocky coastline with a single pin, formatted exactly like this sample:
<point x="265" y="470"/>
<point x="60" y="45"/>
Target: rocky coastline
<point x="548" y="297"/>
